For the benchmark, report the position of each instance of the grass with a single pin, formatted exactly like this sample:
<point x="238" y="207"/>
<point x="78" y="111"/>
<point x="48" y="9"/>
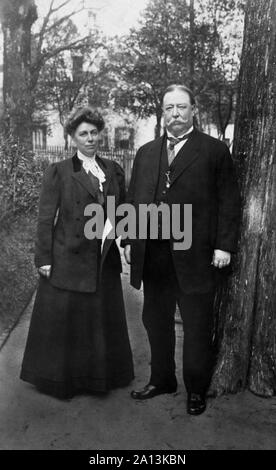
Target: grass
<point x="18" y="275"/>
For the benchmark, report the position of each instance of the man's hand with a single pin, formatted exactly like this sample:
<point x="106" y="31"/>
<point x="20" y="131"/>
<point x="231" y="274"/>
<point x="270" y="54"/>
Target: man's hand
<point x="45" y="270"/>
<point x="221" y="258"/>
<point x="127" y="254"/>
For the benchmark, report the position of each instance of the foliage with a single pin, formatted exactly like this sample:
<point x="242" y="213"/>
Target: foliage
<point x="197" y="43"/>
<point x="18" y="274"/>
<point x="154" y="55"/>
<point x="176" y="42"/>
<point x="55" y="34"/>
<point x="64" y="78"/>
<point x="30" y="43"/>
<point x="21" y="176"/>
<point x="219" y="94"/>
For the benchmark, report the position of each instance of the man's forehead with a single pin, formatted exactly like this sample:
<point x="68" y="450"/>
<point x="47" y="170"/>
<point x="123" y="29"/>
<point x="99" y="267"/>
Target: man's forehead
<point x="176" y="97"/>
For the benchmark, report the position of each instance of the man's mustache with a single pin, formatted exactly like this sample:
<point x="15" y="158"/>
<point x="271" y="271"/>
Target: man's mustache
<point x="177" y="121"/>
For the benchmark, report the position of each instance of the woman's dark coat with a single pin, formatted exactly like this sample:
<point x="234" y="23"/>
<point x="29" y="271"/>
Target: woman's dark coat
<point x="78" y="338"/>
<point x="66" y="191"/>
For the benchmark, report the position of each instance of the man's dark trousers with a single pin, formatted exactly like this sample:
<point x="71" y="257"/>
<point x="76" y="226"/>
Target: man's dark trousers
<point x="161" y="293"/>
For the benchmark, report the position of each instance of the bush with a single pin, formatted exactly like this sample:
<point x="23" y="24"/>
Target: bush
<point x="21" y="175"/>
<point x="20" y="179"/>
<point x="18" y="275"/>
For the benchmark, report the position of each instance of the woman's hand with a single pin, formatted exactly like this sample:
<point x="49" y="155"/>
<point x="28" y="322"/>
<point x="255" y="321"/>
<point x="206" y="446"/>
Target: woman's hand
<point x="127" y="254"/>
<point x="45" y="270"/>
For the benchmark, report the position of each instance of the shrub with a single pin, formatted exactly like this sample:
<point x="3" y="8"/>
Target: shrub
<point x="20" y="179"/>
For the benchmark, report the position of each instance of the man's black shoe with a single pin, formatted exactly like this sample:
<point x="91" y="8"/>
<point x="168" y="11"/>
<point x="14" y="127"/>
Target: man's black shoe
<point x="196" y="404"/>
<point x="150" y="391"/>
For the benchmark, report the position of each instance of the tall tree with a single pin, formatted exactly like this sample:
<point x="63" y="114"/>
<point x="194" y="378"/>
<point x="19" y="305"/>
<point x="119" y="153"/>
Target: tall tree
<point x="17" y="17"/>
<point x="65" y="79"/>
<point x="247" y="305"/>
<point x="218" y="97"/>
<point x="158" y="53"/>
<point x="192" y="43"/>
<point x="177" y="41"/>
<point x="26" y="52"/>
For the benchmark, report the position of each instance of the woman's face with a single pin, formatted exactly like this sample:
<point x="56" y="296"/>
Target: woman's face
<point x="86" y="139"/>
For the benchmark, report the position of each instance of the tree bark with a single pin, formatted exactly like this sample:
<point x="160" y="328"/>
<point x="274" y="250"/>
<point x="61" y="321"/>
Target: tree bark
<point x="246" y="305"/>
<point x="158" y="123"/>
<point x="66" y="143"/>
<point x="192" y="44"/>
<point x="17" y="17"/>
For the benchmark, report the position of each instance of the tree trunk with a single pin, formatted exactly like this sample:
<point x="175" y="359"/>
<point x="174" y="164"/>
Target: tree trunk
<point x="247" y="305"/>
<point x="66" y="143"/>
<point x="224" y="116"/>
<point x="158" y="123"/>
<point x="192" y="44"/>
<point x="17" y="17"/>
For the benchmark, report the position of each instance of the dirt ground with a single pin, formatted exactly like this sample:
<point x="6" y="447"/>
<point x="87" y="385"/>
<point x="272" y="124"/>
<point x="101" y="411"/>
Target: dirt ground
<point x="31" y="420"/>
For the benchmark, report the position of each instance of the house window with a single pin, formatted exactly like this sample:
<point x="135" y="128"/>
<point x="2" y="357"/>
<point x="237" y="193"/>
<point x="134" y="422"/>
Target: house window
<point x="39" y="136"/>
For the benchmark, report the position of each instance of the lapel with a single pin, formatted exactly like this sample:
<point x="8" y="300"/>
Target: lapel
<point x="107" y="167"/>
<point x="186" y="156"/>
<point x="154" y="159"/>
<point x="82" y="177"/>
<point x="107" y="171"/>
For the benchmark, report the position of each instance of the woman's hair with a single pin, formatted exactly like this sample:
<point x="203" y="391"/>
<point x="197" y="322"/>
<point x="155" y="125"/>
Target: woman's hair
<point x="80" y="115"/>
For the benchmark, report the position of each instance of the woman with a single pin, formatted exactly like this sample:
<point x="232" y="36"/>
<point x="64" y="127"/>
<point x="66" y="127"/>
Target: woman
<point x="78" y="339"/>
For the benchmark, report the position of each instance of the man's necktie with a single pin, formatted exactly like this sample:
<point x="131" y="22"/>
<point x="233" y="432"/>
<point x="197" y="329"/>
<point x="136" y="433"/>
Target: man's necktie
<point x="173" y="141"/>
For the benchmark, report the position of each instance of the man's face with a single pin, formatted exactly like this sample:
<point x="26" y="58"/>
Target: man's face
<point x="178" y="112"/>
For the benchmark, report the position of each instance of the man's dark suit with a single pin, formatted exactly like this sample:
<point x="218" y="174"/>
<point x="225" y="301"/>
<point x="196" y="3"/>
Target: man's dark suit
<point x="202" y="174"/>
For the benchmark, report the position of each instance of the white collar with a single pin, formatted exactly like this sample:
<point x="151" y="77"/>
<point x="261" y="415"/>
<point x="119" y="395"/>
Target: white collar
<point x="84" y="158"/>
<point x="90" y="164"/>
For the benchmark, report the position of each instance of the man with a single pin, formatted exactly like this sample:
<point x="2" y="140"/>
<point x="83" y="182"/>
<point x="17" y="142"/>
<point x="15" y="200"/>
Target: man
<point x="185" y="166"/>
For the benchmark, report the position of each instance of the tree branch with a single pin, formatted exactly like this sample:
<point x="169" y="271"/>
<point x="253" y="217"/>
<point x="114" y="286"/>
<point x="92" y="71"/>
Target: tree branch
<point x="41" y="33"/>
<point x="54" y="10"/>
<point x="61" y="20"/>
<point x="43" y="58"/>
<point x="72" y="46"/>
<point x="44" y="30"/>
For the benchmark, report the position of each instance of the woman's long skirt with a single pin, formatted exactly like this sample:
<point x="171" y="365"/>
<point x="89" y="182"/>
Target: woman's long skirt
<point x="78" y="342"/>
